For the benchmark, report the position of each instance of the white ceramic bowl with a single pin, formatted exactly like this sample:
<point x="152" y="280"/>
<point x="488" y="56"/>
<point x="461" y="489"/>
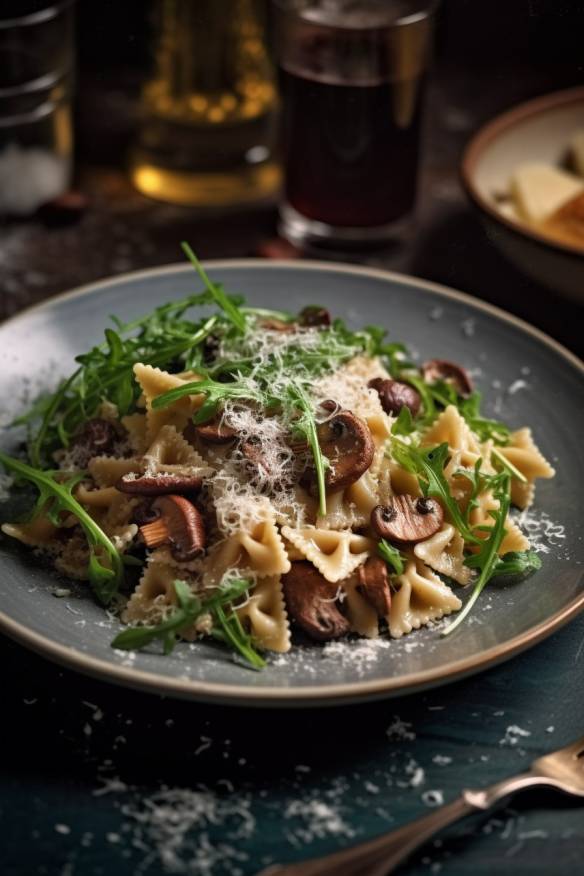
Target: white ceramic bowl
<point x="539" y="130"/>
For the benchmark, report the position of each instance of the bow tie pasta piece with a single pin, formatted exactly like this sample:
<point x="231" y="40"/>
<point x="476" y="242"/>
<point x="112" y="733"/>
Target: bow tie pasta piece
<point x="259" y="550"/>
<point x="264" y="615"/>
<point x="170" y="453"/>
<point x="335" y="554"/>
<point x="380" y="427"/>
<point x="37" y="533"/>
<point x="514" y="539"/>
<point x="136" y="426"/>
<point x="444" y="552"/>
<point x="155" y="598"/>
<point x="155" y="382"/>
<point x="421" y="598"/>
<point x="106" y="471"/>
<point x="351" y="508"/>
<point x="109" y="508"/>
<point x="523" y="453"/>
<point x="403" y="483"/>
<point x="360" y="613"/>
<point x="450" y="427"/>
<point x="263" y="549"/>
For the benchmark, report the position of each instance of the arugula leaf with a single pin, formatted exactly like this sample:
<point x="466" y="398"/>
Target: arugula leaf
<point x="105" y="577"/>
<point x="230" y="310"/>
<point x="305" y="425"/>
<point x="232" y="633"/>
<point x="106" y="371"/>
<point x="429" y="411"/>
<point x="480" y="481"/>
<point x="188" y="610"/>
<point x="508" y="466"/>
<point x="392" y="556"/>
<point x="482" y="426"/>
<point x="517" y="563"/>
<point x="190" y="607"/>
<point x="216" y="393"/>
<point x="486" y="560"/>
<point x="428" y="464"/>
<point x="404" y="424"/>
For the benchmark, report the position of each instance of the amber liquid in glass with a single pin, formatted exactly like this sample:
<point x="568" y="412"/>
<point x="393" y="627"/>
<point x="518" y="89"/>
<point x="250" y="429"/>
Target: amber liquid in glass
<point x="208" y="112"/>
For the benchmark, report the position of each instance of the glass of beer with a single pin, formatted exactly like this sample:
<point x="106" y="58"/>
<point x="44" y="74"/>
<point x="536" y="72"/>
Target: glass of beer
<point x="352" y="78"/>
<point x="208" y="123"/>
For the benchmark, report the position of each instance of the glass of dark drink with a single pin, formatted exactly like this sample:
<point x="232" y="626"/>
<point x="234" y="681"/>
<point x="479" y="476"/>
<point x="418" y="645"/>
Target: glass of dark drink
<point x="352" y="76"/>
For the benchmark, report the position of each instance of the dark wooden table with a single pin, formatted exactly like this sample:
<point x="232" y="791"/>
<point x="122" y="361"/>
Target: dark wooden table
<point x="98" y="780"/>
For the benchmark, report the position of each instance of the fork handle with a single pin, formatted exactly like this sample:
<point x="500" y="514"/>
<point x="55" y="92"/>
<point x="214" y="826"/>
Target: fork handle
<point x="381" y="856"/>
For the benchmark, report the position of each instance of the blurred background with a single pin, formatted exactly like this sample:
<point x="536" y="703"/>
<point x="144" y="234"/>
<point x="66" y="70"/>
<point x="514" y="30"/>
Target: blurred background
<point x="488" y="55"/>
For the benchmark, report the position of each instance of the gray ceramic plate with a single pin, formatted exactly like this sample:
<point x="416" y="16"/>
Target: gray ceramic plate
<point x="526" y="379"/>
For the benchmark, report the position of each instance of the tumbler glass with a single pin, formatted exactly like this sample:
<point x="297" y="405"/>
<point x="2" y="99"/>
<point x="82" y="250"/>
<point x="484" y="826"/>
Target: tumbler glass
<point x="352" y="76"/>
<point x="36" y="84"/>
<point x="208" y="112"/>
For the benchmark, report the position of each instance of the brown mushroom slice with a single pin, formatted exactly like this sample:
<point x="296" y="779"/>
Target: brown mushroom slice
<point x="440" y="369"/>
<point x="407" y="519"/>
<point x="179" y="524"/>
<point x="214" y="431"/>
<point x="374" y="585"/>
<point x="159" y="484"/>
<point x="314" y="316"/>
<point x="395" y="395"/>
<point x="346" y="442"/>
<point x="278" y="325"/>
<point x="253" y="451"/>
<point x="310" y="600"/>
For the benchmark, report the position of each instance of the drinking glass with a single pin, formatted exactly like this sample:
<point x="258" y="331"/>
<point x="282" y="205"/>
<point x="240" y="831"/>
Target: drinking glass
<point x="36" y="84"/>
<point x="208" y="112"/>
<point x="352" y="76"/>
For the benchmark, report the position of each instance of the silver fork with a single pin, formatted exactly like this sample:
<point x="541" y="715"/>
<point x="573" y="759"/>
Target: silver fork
<point x="562" y="770"/>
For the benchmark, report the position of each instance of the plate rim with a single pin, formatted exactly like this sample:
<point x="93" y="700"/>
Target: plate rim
<point x="342" y="693"/>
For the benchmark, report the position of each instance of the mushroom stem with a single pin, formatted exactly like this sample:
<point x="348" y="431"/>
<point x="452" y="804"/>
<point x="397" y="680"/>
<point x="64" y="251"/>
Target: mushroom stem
<point x="155" y="534"/>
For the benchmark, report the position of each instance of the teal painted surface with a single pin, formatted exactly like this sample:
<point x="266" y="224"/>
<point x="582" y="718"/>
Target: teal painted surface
<point x="79" y="757"/>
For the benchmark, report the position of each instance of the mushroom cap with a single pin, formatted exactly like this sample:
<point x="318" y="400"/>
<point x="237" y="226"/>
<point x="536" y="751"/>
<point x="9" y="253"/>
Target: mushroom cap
<point x="441" y="369"/>
<point x="278" y="325"/>
<point x="407" y="519"/>
<point x="346" y="442"/>
<point x="310" y="602"/>
<point x="314" y="316"/>
<point x="159" y="484"/>
<point x="374" y="585"/>
<point x="185" y="525"/>
<point x="395" y="395"/>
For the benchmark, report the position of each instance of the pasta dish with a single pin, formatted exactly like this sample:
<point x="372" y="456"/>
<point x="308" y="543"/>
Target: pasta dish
<point x="244" y="473"/>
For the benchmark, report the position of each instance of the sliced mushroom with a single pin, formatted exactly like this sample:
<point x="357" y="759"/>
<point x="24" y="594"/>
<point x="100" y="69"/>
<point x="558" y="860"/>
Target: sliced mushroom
<point x="346" y="442"/>
<point x="159" y="484"/>
<point x="278" y="325"/>
<point x="179" y="524"/>
<point x="407" y="519"/>
<point x="314" y="316"/>
<point x="395" y="395"/>
<point x="253" y="451"/>
<point x="440" y="369"/>
<point x="97" y="437"/>
<point x="213" y="431"/>
<point x="310" y="600"/>
<point x="374" y="585"/>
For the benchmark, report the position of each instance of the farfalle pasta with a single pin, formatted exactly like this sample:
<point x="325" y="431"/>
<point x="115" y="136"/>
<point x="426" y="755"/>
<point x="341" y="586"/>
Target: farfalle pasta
<point x="253" y="476"/>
